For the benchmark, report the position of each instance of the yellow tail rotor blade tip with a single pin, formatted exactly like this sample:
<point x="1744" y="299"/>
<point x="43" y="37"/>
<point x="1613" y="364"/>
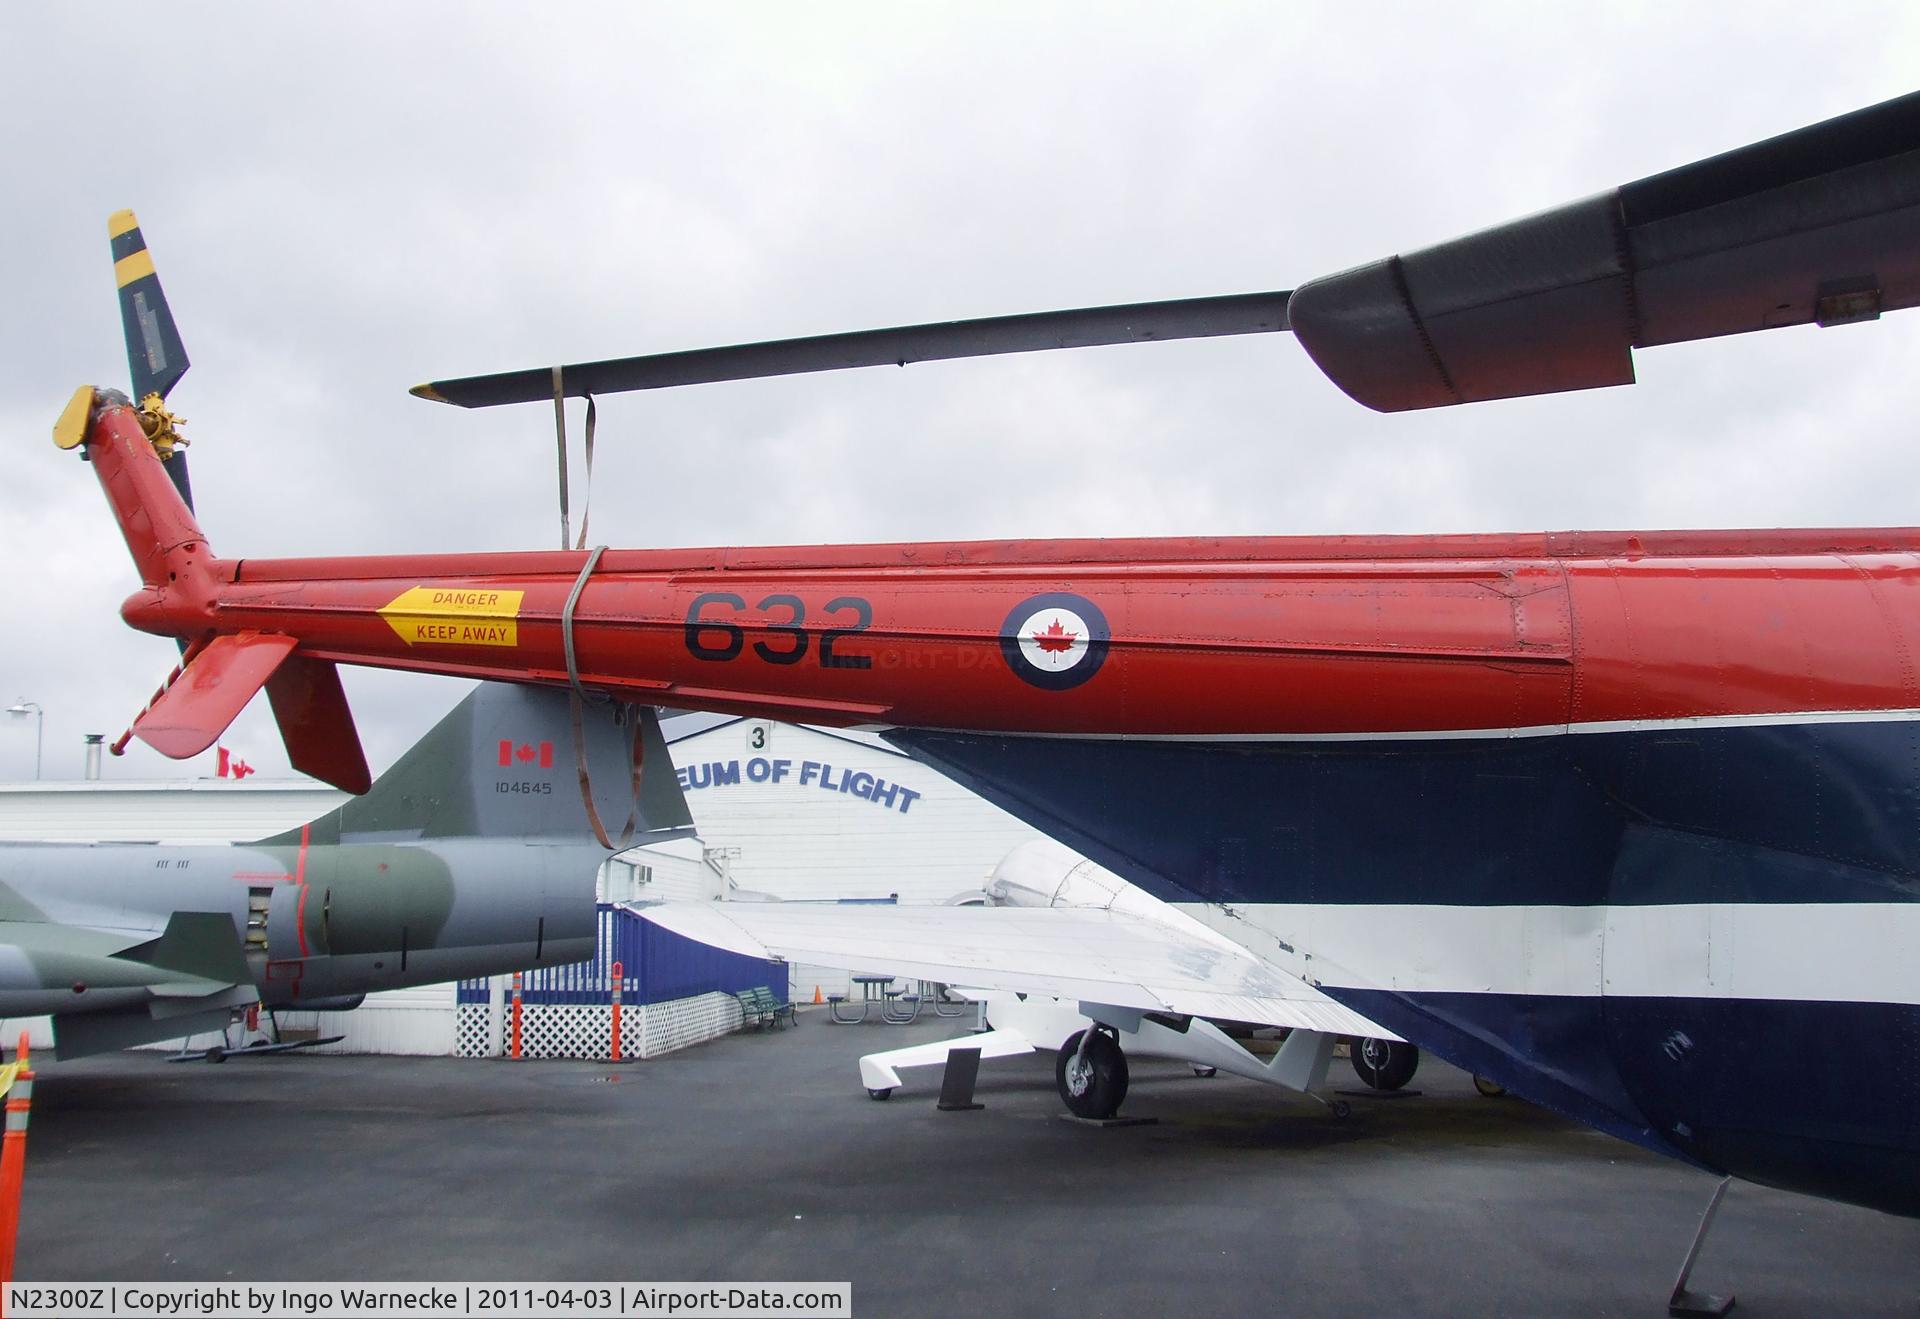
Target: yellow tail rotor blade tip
<point x="71" y="430"/>
<point x="121" y="222"/>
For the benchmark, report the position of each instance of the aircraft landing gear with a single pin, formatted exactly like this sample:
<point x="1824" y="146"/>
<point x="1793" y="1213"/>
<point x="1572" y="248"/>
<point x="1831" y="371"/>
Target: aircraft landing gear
<point x="1686" y="1301"/>
<point x="1384" y="1064"/>
<point x="879" y="1092"/>
<point x="1091" y="1072"/>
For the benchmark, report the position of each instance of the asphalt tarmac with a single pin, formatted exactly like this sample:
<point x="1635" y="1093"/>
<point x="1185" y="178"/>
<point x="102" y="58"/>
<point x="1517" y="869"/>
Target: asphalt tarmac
<point x="760" y="1157"/>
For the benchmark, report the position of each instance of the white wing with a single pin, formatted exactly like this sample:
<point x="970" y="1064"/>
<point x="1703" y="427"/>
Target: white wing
<point x="1086" y="954"/>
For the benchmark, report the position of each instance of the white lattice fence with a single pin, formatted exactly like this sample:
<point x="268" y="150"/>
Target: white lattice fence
<point x="585" y="1031"/>
<point x="683" y="1021"/>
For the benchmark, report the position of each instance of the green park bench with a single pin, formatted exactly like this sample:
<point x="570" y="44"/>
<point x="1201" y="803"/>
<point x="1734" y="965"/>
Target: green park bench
<point x="761" y="1009"/>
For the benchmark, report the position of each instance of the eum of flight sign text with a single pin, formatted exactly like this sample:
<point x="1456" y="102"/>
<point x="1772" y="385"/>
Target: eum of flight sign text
<point x="816" y="774"/>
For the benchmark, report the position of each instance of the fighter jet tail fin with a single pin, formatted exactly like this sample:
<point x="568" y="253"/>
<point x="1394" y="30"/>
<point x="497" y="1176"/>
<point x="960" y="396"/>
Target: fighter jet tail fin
<point x="507" y="762"/>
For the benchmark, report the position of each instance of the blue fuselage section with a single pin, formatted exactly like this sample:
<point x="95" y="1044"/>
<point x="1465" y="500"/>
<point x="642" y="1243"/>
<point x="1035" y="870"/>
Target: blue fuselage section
<point x="1663" y="823"/>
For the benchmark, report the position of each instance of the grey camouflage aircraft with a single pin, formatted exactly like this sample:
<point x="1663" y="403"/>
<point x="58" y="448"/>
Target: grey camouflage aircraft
<point x="474" y="855"/>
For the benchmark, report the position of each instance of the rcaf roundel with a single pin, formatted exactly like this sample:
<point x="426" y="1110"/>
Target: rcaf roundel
<point x="1056" y="640"/>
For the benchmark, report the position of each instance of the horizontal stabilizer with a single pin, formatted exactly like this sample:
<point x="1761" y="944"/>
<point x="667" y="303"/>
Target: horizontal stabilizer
<point x="316" y="725"/>
<point x="196" y="943"/>
<point x="97" y="956"/>
<point x="214" y="688"/>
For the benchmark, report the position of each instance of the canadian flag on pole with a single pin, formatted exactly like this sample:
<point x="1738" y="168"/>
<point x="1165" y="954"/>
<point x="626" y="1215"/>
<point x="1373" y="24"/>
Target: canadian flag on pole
<point x="229" y="766"/>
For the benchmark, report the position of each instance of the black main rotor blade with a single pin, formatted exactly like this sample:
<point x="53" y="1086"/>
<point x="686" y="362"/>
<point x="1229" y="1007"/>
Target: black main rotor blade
<point x="1820" y="225"/>
<point x="1080" y="327"/>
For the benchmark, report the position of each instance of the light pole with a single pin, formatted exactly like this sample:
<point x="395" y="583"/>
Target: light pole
<point x="20" y="711"/>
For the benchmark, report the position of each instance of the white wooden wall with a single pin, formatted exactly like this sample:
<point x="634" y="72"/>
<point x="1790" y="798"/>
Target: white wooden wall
<point x="799" y="840"/>
<point x="395" y="1021"/>
<point x="186" y="811"/>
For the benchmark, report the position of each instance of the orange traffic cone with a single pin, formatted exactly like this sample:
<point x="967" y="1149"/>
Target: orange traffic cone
<point x="817" y="1000"/>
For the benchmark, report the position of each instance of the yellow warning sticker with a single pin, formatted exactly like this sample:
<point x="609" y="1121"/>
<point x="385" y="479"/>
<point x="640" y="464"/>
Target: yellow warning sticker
<point x="454" y="616"/>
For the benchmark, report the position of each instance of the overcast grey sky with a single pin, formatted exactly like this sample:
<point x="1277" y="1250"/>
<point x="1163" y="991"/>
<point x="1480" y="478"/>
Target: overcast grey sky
<point x="344" y="200"/>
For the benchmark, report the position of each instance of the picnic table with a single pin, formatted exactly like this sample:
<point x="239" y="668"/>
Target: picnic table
<point x="873" y="989"/>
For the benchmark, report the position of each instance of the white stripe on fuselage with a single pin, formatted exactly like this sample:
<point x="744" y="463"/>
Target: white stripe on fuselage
<point x="1806" y="952"/>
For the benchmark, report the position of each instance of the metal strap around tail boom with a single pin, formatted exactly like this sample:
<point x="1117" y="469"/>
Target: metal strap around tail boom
<point x="576" y="707"/>
<point x="560" y="442"/>
<point x="578" y="697"/>
<point x="586" y="498"/>
<point x="566" y="625"/>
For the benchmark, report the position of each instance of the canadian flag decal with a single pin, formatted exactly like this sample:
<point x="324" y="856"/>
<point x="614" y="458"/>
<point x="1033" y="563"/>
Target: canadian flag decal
<point x="523" y="754"/>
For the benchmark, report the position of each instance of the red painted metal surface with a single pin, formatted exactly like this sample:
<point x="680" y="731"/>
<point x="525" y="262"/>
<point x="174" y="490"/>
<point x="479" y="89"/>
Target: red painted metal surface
<point x="213" y="688"/>
<point x="310" y="706"/>
<point x="1284" y="635"/>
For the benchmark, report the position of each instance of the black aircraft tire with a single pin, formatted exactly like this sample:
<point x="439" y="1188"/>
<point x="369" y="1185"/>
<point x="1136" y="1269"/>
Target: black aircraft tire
<point x="1105" y="1084"/>
<point x="1384" y="1064"/>
<point x="879" y="1092"/>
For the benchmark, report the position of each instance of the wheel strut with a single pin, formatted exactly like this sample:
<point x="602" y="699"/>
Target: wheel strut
<point x="1689" y="1303"/>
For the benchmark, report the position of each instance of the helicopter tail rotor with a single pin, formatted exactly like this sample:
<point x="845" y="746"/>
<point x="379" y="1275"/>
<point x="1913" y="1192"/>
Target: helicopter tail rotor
<point x="156" y="357"/>
<point x="138" y="455"/>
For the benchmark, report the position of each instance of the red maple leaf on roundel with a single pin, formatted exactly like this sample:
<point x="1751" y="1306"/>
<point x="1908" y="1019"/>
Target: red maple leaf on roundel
<point x="1055" y="638"/>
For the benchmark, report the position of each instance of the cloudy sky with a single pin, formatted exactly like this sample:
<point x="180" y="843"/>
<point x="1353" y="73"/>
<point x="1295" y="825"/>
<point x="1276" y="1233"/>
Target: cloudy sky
<point x="344" y="200"/>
